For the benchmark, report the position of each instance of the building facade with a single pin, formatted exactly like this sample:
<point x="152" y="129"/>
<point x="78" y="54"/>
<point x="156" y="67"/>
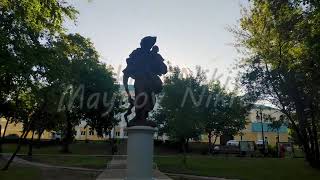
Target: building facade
<point x="254" y="126"/>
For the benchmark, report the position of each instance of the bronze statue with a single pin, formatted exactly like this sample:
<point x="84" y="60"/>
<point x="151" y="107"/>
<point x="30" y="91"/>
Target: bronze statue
<point x="144" y="65"/>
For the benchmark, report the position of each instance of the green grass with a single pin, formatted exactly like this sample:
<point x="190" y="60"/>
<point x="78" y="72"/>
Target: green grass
<point x="101" y="148"/>
<point x="240" y="168"/>
<point x="91" y="162"/>
<point x="54" y="156"/>
<point x="19" y="173"/>
<point x="26" y="172"/>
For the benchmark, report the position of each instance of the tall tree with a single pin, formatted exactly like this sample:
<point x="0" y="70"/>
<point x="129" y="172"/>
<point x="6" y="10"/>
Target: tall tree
<point x="90" y="87"/>
<point x="224" y="113"/>
<point x="25" y="27"/>
<point x="281" y="41"/>
<point x="182" y="119"/>
<point x="25" y="30"/>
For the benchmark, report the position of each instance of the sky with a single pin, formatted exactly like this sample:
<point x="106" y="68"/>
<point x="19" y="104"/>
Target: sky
<point x="189" y="32"/>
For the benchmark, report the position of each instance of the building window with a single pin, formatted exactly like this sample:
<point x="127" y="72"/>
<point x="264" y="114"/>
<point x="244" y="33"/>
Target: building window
<point x="117" y="133"/>
<point x="91" y="133"/>
<point x="83" y="132"/>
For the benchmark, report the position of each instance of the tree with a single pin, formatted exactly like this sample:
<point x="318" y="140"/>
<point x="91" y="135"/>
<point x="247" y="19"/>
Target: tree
<point x="45" y="113"/>
<point x="41" y="64"/>
<point x="25" y="106"/>
<point x="276" y="126"/>
<point x="225" y="113"/>
<point x="7" y="111"/>
<point x="281" y="41"/>
<point x="180" y="116"/>
<point x="110" y="118"/>
<point x="90" y="87"/>
<point x="25" y="30"/>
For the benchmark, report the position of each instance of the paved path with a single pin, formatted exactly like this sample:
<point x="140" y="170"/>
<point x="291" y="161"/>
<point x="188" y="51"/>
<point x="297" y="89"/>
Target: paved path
<point x="117" y="170"/>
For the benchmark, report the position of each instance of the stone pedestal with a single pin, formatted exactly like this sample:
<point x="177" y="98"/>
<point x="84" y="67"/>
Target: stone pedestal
<point x="140" y="153"/>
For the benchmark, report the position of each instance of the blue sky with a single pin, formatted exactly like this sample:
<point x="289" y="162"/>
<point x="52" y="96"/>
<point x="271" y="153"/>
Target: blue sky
<point x="190" y="32"/>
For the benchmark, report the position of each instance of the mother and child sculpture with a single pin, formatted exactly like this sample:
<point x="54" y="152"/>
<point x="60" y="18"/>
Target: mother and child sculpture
<point x="144" y="65"/>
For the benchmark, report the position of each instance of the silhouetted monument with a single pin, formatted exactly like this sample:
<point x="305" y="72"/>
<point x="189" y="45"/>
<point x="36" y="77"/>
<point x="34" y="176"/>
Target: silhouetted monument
<point x="144" y="65"/>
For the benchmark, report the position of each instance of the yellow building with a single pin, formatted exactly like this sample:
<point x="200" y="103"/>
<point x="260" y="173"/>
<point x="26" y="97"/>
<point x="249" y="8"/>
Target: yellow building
<point x="253" y="128"/>
<point x="17" y="128"/>
<point x="84" y="132"/>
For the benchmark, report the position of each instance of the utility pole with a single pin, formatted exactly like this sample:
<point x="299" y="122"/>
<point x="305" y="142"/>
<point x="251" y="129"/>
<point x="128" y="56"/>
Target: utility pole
<point x="259" y="115"/>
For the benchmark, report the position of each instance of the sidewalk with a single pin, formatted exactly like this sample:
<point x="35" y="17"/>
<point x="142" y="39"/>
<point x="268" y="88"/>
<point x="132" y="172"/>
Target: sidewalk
<point x="117" y="170"/>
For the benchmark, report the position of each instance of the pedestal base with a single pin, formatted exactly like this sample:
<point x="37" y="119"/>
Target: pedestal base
<point x="140" y="153"/>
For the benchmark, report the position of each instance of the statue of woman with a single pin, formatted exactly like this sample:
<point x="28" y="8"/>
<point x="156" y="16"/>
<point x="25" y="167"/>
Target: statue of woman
<point x="145" y="67"/>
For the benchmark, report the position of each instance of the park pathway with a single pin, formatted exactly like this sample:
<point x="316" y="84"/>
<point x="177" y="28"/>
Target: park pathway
<point x="117" y="170"/>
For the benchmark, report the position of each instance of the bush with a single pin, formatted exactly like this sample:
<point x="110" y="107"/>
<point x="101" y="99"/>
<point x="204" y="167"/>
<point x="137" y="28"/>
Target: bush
<point x="272" y="151"/>
<point x="12" y="137"/>
<point x="158" y="142"/>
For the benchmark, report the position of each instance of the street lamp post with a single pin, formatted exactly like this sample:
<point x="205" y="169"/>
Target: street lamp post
<point x="262" y="131"/>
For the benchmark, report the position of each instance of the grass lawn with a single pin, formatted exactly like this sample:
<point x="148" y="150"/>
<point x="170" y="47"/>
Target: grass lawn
<point x="101" y="148"/>
<point x="91" y="162"/>
<point x="239" y="168"/>
<point x="53" y="155"/>
<point x="24" y="172"/>
<point x="19" y="173"/>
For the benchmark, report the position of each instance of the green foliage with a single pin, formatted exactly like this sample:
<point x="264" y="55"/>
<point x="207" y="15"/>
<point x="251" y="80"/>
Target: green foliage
<point x="25" y="29"/>
<point x="38" y="15"/>
<point x="178" y="116"/>
<point x="189" y="106"/>
<point x="225" y="112"/>
<point x="42" y="66"/>
<point x="92" y="93"/>
<point x="281" y="41"/>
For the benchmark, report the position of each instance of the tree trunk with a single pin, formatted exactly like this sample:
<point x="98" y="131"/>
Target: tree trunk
<point x="111" y="143"/>
<point x="278" y="141"/>
<point x="22" y="138"/>
<point x="30" y="145"/>
<point x="5" y="128"/>
<point x="4" y="134"/>
<point x="210" y="142"/>
<point x="316" y="139"/>
<point x="0" y="141"/>
<point x="187" y="145"/>
<point x="215" y="140"/>
<point x="39" y="138"/>
<point x="68" y="138"/>
<point x="184" y="151"/>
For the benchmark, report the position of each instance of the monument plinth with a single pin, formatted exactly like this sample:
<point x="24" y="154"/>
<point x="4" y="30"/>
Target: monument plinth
<point x="140" y="153"/>
<point x="144" y="65"/>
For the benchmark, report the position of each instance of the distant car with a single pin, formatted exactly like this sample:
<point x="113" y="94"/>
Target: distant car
<point x="56" y="136"/>
<point x="232" y="143"/>
<point x="260" y="142"/>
